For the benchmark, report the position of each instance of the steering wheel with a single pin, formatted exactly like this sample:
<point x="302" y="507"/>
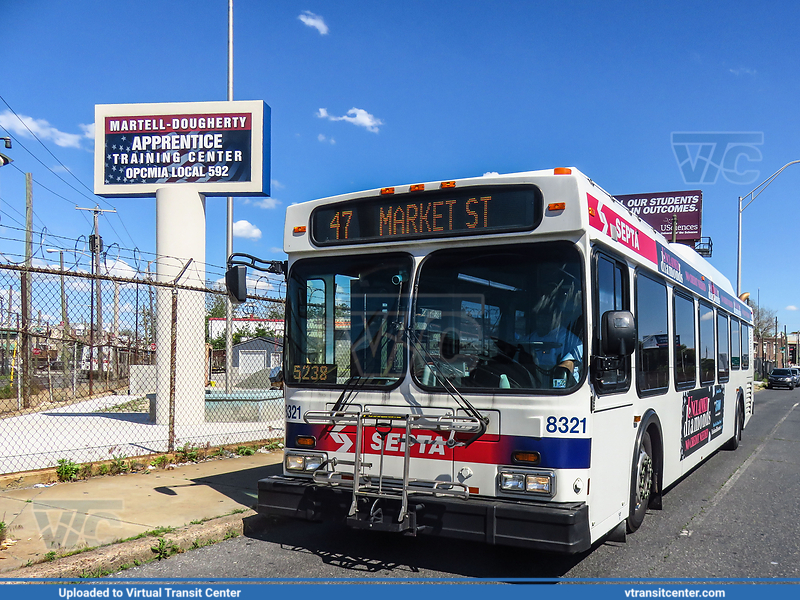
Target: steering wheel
<point x="507" y="349"/>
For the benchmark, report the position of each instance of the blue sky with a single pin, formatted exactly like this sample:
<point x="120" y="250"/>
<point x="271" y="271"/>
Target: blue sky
<point x="371" y="94"/>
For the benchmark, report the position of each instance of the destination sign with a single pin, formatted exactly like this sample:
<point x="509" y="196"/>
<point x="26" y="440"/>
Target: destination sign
<point x="425" y="215"/>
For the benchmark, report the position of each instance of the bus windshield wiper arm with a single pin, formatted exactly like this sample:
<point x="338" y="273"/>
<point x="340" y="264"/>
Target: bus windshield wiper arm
<point x="448" y="386"/>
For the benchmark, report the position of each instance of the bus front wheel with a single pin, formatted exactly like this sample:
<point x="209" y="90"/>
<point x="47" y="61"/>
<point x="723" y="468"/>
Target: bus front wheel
<point x="641" y="483"/>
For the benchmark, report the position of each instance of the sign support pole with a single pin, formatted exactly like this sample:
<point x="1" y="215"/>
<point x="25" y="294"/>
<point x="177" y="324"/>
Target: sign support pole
<point x="174" y="250"/>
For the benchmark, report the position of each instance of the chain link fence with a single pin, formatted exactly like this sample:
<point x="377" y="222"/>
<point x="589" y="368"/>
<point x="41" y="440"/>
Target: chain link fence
<point x="97" y="368"/>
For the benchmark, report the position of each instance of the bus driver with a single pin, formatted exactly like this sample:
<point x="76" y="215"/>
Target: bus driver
<point x="551" y="351"/>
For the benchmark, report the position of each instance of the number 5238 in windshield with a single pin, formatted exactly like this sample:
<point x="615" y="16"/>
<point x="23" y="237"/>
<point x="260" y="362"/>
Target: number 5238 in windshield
<point x="314" y="373"/>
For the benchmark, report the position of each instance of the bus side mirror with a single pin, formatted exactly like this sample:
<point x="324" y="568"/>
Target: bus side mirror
<point x="236" y="284"/>
<point x="619" y="333"/>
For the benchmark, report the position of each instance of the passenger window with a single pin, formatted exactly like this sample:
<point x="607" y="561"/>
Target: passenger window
<point x="735" y="344"/>
<point x="685" y="352"/>
<point x="746" y="346"/>
<point x="707" y="362"/>
<point x="723" y="348"/>
<point x="652" y="356"/>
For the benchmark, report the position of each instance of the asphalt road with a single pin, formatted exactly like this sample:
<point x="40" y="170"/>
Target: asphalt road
<point x="736" y="516"/>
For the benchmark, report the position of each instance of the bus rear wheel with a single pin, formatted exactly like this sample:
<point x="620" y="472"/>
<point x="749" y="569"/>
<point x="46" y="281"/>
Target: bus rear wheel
<point x="733" y="443"/>
<point x="641" y="483"/>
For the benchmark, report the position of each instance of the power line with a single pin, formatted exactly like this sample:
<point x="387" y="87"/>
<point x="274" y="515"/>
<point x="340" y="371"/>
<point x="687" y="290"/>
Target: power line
<point x="92" y="197"/>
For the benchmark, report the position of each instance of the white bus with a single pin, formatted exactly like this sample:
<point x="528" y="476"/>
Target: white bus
<point x="513" y="359"/>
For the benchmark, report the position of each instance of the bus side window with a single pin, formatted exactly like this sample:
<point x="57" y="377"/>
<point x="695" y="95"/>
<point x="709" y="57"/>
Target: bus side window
<point x="652" y="350"/>
<point x="611" y="289"/>
<point x="723" y="347"/>
<point x="736" y="347"/>
<point x="707" y="357"/>
<point x="746" y="346"/>
<point x="685" y="352"/>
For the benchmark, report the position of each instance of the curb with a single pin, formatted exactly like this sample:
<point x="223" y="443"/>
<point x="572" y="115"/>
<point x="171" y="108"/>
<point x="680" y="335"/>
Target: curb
<point x="95" y="563"/>
<point x="24" y="479"/>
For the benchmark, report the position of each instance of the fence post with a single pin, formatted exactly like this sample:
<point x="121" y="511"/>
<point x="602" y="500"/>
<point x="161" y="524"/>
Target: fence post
<point x="172" y="368"/>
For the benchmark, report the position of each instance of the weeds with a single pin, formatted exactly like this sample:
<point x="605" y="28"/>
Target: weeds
<point x="87" y="470"/>
<point x="118" y="465"/>
<point x="245" y="451"/>
<point x="103" y="469"/>
<point x="50" y="556"/>
<point x="161" y="461"/>
<point x="3" y="531"/>
<point x="187" y="454"/>
<point x="67" y="470"/>
<point x="165" y="549"/>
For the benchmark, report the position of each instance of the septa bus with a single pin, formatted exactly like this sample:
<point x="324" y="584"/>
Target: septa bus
<point x="512" y="359"/>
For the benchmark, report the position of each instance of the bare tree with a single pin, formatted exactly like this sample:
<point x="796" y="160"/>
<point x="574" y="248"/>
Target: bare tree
<point x="764" y="322"/>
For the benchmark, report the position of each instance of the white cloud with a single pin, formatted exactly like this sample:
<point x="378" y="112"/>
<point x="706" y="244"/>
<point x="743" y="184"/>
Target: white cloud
<point x="266" y="203"/>
<point x="356" y="116"/>
<point x="23" y="126"/>
<point x="277" y="184"/>
<point x="88" y="130"/>
<point x="743" y="71"/>
<point x="314" y="21"/>
<point x="491" y="174"/>
<point x="321" y="137"/>
<point x="245" y="229"/>
<point x="276" y="250"/>
<point x="791" y="307"/>
<point x="118" y="268"/>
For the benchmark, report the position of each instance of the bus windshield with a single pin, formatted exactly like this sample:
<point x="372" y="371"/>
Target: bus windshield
<point x="500" y="318"/>
<point x="345" y="319"/>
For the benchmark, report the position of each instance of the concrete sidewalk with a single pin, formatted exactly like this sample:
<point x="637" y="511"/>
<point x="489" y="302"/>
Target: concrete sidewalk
<point x="201" y="501"/>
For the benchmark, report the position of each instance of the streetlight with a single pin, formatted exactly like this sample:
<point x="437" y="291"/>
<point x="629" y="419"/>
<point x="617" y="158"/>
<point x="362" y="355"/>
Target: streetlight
<point x="753" y="195"/>
<point x="4" y="160"/>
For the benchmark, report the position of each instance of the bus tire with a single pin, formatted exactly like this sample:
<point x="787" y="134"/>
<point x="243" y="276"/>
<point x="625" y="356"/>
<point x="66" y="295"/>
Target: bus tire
<point x="641" y="483"/>
<point x="733" y="443"/>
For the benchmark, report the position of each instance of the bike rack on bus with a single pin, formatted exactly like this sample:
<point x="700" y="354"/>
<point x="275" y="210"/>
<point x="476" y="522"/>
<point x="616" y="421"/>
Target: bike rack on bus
<point x="381" y="486"/>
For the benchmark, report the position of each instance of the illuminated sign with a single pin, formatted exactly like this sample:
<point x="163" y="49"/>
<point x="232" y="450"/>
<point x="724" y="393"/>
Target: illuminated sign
<point x="425" y="215"/>
<point x="216" y="148"/>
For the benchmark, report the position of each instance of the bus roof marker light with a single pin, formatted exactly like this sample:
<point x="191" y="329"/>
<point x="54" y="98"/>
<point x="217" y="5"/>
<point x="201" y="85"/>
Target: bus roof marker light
<point x="448" y="184"/>
<point x="300" y="229"/>
<point x="417" y="187"/>
<point x="562" y="171"/>
<point x="385" y="191"/>
<point x="556" y="206"/>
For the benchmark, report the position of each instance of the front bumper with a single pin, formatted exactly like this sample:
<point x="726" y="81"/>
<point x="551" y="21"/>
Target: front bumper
<point x="776" y="384"/>
<point x="537" y="525"/>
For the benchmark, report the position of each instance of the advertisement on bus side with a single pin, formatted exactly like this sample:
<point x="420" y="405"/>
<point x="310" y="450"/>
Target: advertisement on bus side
<point x="702" y="417"/>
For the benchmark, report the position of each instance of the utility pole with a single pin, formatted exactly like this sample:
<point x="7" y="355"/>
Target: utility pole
<point x="229" y="224"/>
<point x="25" y="292"/>
<point x="775" y="344"/>
<point x="96" y="247"/>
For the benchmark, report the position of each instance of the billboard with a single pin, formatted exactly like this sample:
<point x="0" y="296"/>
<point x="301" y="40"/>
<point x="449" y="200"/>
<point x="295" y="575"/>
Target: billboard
<point x="657" y="210"/>
<point x="216" y="148"/>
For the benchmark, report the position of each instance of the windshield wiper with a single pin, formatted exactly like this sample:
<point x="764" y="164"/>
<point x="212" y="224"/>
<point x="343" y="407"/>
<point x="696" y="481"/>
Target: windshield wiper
<point x="448" y="386"/>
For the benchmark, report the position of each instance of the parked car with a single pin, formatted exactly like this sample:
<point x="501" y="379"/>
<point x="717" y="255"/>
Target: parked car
<point x="796" y="373"/>
<point x="781" y="378"/>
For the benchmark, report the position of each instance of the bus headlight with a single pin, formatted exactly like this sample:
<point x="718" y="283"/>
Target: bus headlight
<point x="303" y="463"/>
<point x="541" y="483"/>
